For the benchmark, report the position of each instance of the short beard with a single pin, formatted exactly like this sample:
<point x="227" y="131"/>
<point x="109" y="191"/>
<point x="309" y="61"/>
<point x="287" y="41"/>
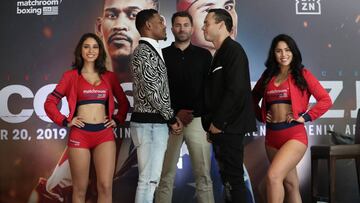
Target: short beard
<point x="180" y="40"/>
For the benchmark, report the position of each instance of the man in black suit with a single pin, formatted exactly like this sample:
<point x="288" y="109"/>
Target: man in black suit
<point x="228" y="104"/>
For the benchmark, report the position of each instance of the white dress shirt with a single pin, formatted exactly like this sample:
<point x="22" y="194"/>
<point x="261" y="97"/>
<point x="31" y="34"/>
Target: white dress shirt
<point x="155" y="44"/>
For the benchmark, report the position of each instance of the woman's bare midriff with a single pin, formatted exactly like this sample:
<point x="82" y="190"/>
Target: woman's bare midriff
<point x="92" y="113"/>
<point x="279" y="112"/>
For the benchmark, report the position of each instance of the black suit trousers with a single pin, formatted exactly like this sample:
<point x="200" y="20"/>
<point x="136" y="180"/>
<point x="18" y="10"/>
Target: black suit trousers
<point x="229" y="154"/>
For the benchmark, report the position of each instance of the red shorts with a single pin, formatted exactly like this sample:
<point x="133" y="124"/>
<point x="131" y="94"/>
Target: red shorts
<point x="278" y="134"/>
<point x="89" y="136"/>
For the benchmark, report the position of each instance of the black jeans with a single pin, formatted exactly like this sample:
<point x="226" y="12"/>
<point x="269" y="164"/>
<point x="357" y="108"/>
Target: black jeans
<point x="229" y="153"/>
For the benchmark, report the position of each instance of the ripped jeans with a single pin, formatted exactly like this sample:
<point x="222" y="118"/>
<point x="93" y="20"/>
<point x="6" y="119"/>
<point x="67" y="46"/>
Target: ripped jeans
<point x="150" y="140"/>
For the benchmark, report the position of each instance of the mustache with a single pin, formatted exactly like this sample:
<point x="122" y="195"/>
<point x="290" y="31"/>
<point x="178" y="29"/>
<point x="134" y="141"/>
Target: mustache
<point x="119" y="35"/>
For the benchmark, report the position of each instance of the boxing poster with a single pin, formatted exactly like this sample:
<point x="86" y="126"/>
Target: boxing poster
<point x="38" y="39"/>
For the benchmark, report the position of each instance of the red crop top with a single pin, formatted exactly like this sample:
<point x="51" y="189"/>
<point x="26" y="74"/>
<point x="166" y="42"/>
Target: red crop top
<point x="89" y="94"/>
<point x="276" y="95"/>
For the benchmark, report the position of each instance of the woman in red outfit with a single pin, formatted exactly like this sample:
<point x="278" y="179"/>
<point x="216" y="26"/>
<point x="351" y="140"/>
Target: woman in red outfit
<point x="90" y="91"/>
<point x="285" y="88"/>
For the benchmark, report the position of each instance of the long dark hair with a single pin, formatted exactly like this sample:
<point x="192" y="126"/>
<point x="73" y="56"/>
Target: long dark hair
<point x="99" y="62"/>
<point x="296" y="66"/>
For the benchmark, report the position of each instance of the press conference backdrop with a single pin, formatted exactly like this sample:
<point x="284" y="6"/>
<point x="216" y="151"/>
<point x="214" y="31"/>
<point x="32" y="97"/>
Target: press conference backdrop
<point x="37" y="42"/>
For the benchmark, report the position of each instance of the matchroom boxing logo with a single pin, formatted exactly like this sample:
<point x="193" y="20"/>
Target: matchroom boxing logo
<point x="38" y="7"/>
<point x="308" y="7"/>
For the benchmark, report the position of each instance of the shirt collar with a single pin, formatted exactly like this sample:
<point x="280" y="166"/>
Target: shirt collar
<point x="153" y="42"/>
<point x="187" y="48"/>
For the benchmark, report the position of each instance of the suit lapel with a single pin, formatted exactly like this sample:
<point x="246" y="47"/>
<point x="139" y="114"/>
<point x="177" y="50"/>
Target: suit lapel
<point x="153" y="49"/>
